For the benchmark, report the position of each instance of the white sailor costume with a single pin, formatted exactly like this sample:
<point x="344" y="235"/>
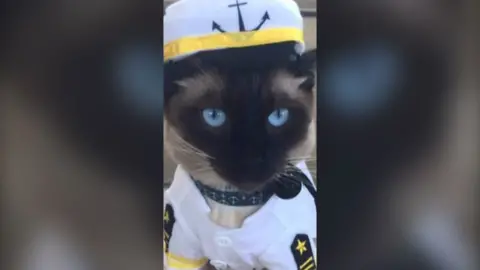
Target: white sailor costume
<point x="281" y="235"/>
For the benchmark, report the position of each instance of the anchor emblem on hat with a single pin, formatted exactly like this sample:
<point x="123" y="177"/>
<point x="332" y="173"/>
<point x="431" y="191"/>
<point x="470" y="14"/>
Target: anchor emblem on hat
<point x="241" y="24"/>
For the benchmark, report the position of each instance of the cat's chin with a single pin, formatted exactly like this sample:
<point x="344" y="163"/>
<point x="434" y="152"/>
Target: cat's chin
<point x="249" y="187"/>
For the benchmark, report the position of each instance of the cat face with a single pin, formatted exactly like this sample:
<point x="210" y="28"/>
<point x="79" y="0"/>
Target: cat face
<point x="241" y="126"/>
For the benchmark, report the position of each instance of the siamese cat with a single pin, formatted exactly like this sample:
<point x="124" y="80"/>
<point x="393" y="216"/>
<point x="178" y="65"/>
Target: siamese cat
<point x="237" y="127"/>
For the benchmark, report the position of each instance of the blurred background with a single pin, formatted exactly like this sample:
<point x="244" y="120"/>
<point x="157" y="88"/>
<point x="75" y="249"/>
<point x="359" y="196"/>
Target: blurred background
<point x="81" y="106"/>
<point x="398" y="134"/>
<point x="80" y="88"/>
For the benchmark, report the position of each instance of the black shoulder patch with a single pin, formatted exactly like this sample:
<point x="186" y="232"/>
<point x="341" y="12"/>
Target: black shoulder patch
<point x="168" y="221"/>
<point x="303" y="253"/>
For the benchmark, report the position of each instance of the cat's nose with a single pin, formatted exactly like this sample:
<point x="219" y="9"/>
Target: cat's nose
<point x="255" y="161"/>
<point x="256" y="168"/>
<point x="249" y="186"/>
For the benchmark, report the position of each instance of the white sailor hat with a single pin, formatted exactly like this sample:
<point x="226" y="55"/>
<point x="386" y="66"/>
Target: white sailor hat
<point x="193" y="26"/>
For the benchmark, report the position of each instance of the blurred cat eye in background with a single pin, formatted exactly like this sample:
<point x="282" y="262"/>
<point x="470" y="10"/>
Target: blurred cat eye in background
<point x="363" y="79"/>
<point x="139" y="74"/>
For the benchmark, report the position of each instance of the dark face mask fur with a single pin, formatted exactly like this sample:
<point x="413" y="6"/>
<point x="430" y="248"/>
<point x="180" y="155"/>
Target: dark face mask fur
<point x="240" y="126"/>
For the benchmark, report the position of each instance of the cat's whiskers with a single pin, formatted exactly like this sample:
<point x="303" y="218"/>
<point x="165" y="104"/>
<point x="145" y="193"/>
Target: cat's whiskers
<point x="181" y="145"/>
<point x="189" y="151"/>
<point x="189" y="147"/>
<point x="201" y="169"/>
<point x="302" y="158"/>
<point x="277" y="176"/>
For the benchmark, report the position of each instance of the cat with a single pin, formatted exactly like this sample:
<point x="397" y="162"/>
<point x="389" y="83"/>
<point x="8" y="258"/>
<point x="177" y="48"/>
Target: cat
<point x="208" y="107"/>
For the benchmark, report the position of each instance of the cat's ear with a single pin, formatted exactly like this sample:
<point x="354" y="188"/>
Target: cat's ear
<point x="307" y="62"/>
<point x="169" y="86"/>
<point x="305" y="67"/>
<point x="176" y="72"/>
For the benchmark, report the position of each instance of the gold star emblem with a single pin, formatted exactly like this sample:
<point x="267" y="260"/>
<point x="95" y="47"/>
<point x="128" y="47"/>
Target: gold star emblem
<point x="301" y="247"/>
<point x="166" y="218"/>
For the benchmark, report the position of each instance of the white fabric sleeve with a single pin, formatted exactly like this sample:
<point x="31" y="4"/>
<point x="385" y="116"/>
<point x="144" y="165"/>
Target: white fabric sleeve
<point x="182" y="249"/>
<point x="291" y="251"/>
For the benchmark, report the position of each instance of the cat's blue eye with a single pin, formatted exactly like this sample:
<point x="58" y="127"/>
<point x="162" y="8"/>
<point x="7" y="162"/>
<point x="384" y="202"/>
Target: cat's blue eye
<point x="214" y="117"/>
<point x="278" y="117"/>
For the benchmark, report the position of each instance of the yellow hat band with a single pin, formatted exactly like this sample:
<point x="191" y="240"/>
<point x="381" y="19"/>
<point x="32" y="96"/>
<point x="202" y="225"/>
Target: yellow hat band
<point x="188" y="45"/>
